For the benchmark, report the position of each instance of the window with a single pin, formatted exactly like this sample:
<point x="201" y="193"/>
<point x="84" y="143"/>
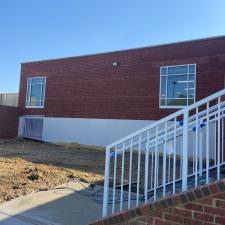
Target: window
<point x="177" y="86"/>
<point x="35" y="92"/>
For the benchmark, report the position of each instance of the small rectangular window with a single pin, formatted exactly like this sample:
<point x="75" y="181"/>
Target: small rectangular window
<point x="177" y="85"/>
<point x="35" y="92"/>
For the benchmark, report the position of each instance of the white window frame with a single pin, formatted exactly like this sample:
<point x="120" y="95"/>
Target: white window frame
<point x="181" y="106"/>
<point x="28" y="93"/>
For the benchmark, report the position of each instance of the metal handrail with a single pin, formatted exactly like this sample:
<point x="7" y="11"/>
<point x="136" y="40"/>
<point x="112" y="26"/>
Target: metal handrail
<point x="196" y="132"/>
<point x="171" y="116"/>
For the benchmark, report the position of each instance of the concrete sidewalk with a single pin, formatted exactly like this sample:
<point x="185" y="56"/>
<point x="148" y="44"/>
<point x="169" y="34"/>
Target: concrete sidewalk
<point x="54" y="207"/>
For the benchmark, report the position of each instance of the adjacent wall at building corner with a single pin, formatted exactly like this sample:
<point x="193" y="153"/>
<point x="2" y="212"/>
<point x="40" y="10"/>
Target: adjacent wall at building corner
<point x="99" y="132"/>
<point x="9" y="116"/>
<point x="9" y="99"/>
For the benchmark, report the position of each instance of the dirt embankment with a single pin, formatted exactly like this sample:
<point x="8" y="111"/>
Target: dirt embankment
<point x="27" y="166"/>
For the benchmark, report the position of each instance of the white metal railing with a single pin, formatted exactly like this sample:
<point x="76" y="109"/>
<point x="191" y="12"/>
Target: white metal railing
<point x="182" y="150"/>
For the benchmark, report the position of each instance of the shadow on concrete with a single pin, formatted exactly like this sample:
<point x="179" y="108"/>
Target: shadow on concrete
<point x="68" y="205"/>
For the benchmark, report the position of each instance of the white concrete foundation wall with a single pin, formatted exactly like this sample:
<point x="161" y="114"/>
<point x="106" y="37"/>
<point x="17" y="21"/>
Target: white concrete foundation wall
<point x="98" y="132"/>
<point x="101" y="132"/>
<point x="20" y="126"/>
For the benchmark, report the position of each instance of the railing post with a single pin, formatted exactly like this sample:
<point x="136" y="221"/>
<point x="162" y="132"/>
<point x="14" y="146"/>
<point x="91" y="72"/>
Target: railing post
<point x="106" y="183"/>
<point x="185" y="151"/>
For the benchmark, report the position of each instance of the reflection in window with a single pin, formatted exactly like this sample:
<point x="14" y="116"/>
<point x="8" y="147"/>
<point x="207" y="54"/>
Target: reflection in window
<point x="35" y="92"/>
<point x="177" y="85"/>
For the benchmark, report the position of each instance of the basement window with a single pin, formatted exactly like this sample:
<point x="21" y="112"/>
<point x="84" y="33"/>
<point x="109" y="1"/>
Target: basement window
<point x="177" y="86"/>
<point x="35" y="96"/>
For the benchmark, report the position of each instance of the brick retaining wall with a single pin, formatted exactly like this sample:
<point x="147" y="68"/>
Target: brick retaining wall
<point x="204" y="205"/>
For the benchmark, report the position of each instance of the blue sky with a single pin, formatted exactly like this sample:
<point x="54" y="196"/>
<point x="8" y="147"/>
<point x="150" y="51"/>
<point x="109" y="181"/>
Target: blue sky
<point x="34" y="30"/>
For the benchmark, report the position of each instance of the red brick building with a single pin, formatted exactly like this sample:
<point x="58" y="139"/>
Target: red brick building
<point x="96" y="99"/>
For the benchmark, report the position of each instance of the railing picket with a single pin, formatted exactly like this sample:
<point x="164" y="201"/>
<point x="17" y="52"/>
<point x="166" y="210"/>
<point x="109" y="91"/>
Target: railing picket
<point x="185" y="151"/>
<point x="196" y="148"/>
<point x="181" y="159"/>
<point x="215" y="142"/>
<point x="138" y="172"/>
<point x="174" y="154"/>
<point x="169" y="168"/>
<point x="164" y="161"/>
<point x="193" y="153"/>
<point x="200" y="151"/>
<point x="207" y="144"/>
<point x="152" y="166"/>
<point x="218" y="139"/>
<point x="122" y="178"/>
<point x="130" y="171"/>
<point x="114" y="181"/>
<point x="156" y="163"/>
<point x="146" y="167"/>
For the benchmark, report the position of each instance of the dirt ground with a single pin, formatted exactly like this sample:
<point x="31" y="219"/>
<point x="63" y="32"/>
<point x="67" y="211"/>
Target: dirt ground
<point x="27" y="166"/>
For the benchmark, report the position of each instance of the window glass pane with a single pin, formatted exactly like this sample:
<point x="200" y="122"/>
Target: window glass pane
<point x="177" y="70"/>
<point x="191" y="84"/>
<point x="191" y="94"/>
<point x="163" y="102"/>
<point x="163" y="70"/>
<point x="37" y="80"/>
<point x="176" y="102"/>
<point x="191" y="77"/>
<point x="35" y="103"/>
<point x="177" y="86"/>
<point x="190" y="101"/>
<point x="36" y="92"/>
<point x="163" y="87"/>
<point x="28" y="93"/>
<point x="191" y="68"/>
<point x="191" y="90"/>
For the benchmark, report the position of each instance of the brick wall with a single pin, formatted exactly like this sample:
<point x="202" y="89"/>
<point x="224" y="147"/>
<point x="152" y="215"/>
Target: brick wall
<point x="204" y="205"/>
<point x="90" y="87"/>
<point x="8" y="121"/>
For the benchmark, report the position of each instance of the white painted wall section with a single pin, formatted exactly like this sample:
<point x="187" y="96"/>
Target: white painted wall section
<point x="98" y="132"/>
<point x="101" y="132"/>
